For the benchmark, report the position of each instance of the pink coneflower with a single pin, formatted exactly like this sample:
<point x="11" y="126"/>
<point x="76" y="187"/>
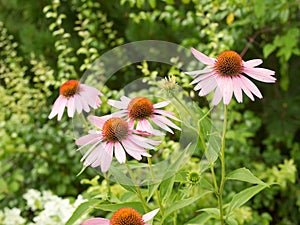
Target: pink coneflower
<point x="116" y="136"/>
<point x="76" y="97"/>
<point x="123" y="216"/>
<point x="142" y="111"/>
<point x="226" y="75"/>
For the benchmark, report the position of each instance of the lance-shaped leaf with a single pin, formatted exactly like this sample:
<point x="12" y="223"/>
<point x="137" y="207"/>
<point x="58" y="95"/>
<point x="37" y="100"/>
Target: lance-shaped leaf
<point x="244" y="174"/>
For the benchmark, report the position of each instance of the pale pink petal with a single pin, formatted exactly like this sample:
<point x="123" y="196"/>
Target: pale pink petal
<point x="237" y="90"/>
<point x="260" y="74"/>
<point x="162" y="125"/>
<point x="57" y="106"/>
<point x="117" y="104"/>
<point x="165" y="121"/>
<point x="126" y="100"/>
<point x="78" y="104"/>
<point x="71" y="106"/>
<point x="161" y="104"/>
<point x="217" y="96"/>
<point x="121" y="113"/>
<point x="84" y="105"/>
<point x="203" y="58"/>
<point x="251" y="86"/>
<point x="202" y="77"/>
<point x="107" y="157"/>
<point x="120" y="153"/>
<point x="246" y="90"/>
<point x="133" y="140"/>
<point x="209" y="85"/>
<point x="166" y="113"/>
<point x="88" y="139"/>
<point x="226" y="87"/>
<point x="132" y="151"/>
<point x="150" y="215"/>
<point x="96" y="221"/>
<point x="252" y="63"/>
<point x="99" y="121"/>
<point x="92" y="156"/>
<point x="207" y="69"/>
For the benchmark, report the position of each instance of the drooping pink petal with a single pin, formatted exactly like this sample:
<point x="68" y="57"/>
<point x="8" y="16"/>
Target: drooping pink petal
<point x="117" y="104"/>
<point x="71" y="106"/>
<point x="126" y="100"/>
<point x="150" y="215"/>
<point x="165" y="121"/>
<point x="99" y="121"/>
<point x="92" y="156"/>
<point x="209" y="84"/>
<point x="251" y="86"/>
<point x="140" y="141"/>
<point x="120" y="153"/>
<point x="252" y="63"/>
<point x="203" y="58"/>
<point x="77" y="104"/>
<point x="88" y="139"/>
<point x="226" y="87"/>
<point x="260" y="74"/>
<point x="106" y="156"/>
<point x="237" y="90"/>
<point x="246" y="90"/>
<point x="161" y="104"/>
<point x="207" y="69"/>
<point x="166" y="113"/>
<point x="217" y="96"/>
<point x="96" y="221"/>
<point x="202" y="77"/>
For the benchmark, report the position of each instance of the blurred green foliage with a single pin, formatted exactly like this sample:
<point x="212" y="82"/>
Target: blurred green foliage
<point x="44" y="43"/>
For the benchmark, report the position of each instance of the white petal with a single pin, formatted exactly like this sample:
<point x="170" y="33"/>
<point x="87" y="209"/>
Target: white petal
<point x="71" y="106"/>
<point x="217" y="96"/>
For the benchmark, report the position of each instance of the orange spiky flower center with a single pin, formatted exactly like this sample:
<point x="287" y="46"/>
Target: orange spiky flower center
<point x="229" y="63"/>
<point x="115" y="129"/>
<point x="140" y="108"/>
<point x="69" y="88"/>
<point x="126" y="216"/>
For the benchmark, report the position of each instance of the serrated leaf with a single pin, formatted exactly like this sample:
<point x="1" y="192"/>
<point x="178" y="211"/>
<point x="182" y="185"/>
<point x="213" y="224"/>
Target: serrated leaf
<point x="82" y="209"/>
<point x="244" y="174"/>
<point x="244" y="196"/>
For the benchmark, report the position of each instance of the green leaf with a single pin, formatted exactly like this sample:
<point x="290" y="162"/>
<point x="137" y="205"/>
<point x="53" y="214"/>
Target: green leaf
<point x="268" y="49"/>
<point x="231" y="221"/>
<point x="212" y="211"/>
<point x="166" y="188"/>
<point x="244" y="196"/>
<point x="183" y="203"/>
<point x="199" y="220"/>
<point x="244" y="174"/>
<point x="82" y="209"/>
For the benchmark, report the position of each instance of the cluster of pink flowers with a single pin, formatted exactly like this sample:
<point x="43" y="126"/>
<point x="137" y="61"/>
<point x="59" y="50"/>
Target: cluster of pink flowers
<point x="128" y="130"/>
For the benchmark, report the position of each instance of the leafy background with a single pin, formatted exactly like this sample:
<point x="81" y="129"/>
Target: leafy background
<point x="44" y="43"/>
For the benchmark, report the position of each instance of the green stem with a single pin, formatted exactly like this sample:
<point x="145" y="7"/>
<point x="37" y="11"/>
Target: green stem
<point x="222" y="158"/>
<point x="156" y="190"/>
<point x="107" y="185"/>
<point x="137" y="188"/>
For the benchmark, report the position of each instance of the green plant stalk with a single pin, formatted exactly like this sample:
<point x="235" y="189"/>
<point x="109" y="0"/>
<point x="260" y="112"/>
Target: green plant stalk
<point x="138" y="190"/>
<point x="222" y="158"/>
<point x="107" y="185"/>
<point x="156" y="191"/>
